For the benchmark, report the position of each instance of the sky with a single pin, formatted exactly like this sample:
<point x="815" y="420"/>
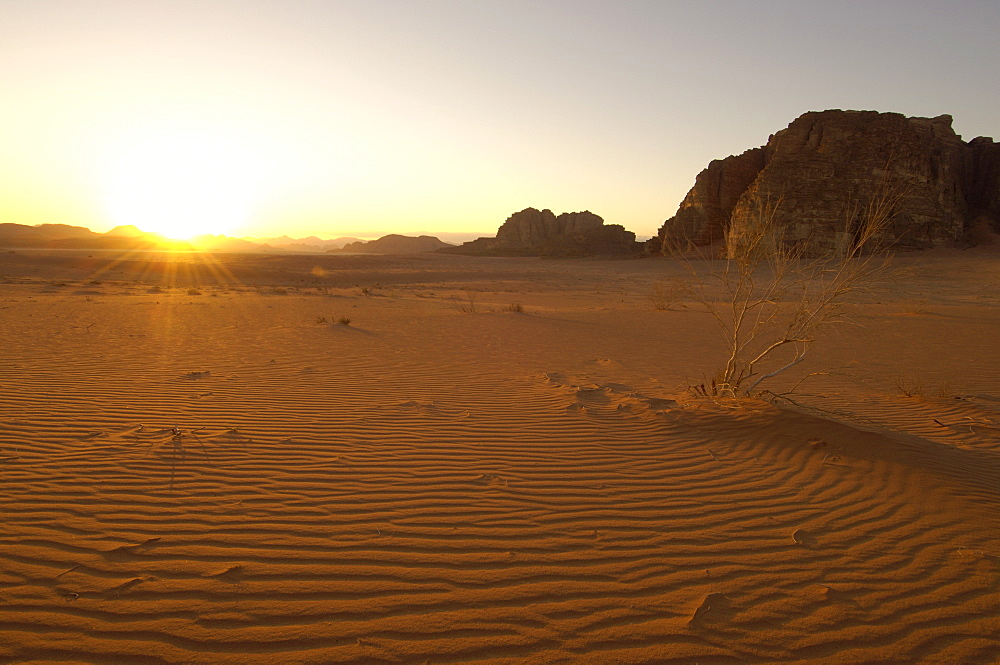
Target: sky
<point x="360" y="118"/>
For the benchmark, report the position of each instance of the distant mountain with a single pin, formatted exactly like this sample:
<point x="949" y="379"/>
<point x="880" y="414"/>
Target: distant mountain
<point x="64" y="231"/>
<point x="64" y="236"/>
<point x="395" y="244"/>
<point x="127" y="231"/>
<point x="22" y="235"/>
<point x="100" y="241"/>
<point x="129" y="237"/>
<point x="307" y="244"/>
<point x="452" y="237"/>
<point x="221" y="243"/>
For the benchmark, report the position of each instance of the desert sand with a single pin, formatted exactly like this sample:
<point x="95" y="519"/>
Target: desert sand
<point x="199" y="464"/>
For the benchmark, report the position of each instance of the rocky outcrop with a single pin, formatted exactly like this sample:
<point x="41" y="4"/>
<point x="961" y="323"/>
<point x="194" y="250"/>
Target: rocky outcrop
<point x="704" y="213"/>
<point x="394" y="244"/>
<point x="532" y="232"/>
<point x="983" y="182"/>
<point x="820" y="173"/>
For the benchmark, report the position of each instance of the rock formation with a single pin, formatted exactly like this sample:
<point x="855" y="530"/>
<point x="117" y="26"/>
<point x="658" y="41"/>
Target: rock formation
<point x="821" y="172"/>
<point x="394" y="244"/>
<point x="983" y="181"/>
<point x="704" y="214"/>
<point x="534" y="232"/>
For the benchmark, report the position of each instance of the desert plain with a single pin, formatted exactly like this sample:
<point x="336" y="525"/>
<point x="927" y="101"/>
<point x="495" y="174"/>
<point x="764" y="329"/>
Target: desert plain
<point x="309" y="459"/>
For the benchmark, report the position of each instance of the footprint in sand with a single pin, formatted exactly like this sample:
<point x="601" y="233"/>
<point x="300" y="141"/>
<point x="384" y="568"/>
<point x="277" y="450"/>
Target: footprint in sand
<point x="804" y="538"/>
<point x="659" y="404"/>
<point x="128" y="552"/>
<point x="593" y="394"/>
<point x="715" y="608"/>
<point x="492" y="480"/>
<point x="828" y="594"/>
<point x="232" y="575"/>
<point x="116" y="592"/>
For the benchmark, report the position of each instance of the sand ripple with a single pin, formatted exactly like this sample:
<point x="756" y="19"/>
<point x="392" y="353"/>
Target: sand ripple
<point x="295" y="494"/>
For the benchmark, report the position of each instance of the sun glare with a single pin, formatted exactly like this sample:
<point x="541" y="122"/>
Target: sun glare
<point x="183" y="183"/>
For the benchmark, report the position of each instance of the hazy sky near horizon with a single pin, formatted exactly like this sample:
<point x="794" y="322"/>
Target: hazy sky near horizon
<point x="365" y="117"/>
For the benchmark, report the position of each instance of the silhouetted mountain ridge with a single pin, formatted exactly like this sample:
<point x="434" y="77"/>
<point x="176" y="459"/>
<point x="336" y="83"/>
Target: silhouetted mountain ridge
<point x="395" y="243"/>
<point x="130" y="237"/>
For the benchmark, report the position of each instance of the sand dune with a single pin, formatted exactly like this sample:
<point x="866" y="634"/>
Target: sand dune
<point x="199" y="465"/>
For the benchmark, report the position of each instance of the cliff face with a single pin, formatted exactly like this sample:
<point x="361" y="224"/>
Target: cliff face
<point x="534" y="229"/>
<point x="983" y="181"/>
<point x="532" y="232"/>
<point x="822" y="170"/>
<point x="704" y="213"/>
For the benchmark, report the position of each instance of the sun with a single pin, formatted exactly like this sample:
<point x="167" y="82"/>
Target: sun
<point x="183" y="182"/>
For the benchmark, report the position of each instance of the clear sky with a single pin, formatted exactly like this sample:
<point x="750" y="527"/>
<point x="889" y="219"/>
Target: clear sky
<point x="365" y="117"/>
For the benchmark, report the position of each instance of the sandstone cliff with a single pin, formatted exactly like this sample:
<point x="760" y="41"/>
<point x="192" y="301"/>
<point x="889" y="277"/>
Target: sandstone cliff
<point x="532" y="232"/>
<point x="826" y="166"/>
<point x="983" y="181"/>
<point x="704" y="214"/>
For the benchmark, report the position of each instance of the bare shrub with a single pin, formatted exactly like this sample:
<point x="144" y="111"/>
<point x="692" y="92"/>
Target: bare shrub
<point x="513" y="307"/>
<point x="668" y="295"/>
<point x="469" y="306"/>
<point x="910" y="386"/>
<point x="771" y="297"/>
<point x="344" y="321"/>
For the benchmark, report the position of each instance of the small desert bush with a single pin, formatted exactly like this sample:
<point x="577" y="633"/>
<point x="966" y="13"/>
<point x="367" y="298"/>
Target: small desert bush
<point x="667" y="296"/>
<point x="320" y="320"/>
<point x="513" y="307"/>
<point x="344" y="321"/>
<point x="910" y="386"/>
<point x="469" y="306"/>
<point x="772" y="297"/>
<point x="193" y="292"/>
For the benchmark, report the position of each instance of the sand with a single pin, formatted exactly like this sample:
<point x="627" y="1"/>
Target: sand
<point x="198" y="464"/>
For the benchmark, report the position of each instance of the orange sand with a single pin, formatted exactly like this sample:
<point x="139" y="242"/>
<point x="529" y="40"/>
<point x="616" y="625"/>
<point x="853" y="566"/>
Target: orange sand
<point x="432" y="485"/>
